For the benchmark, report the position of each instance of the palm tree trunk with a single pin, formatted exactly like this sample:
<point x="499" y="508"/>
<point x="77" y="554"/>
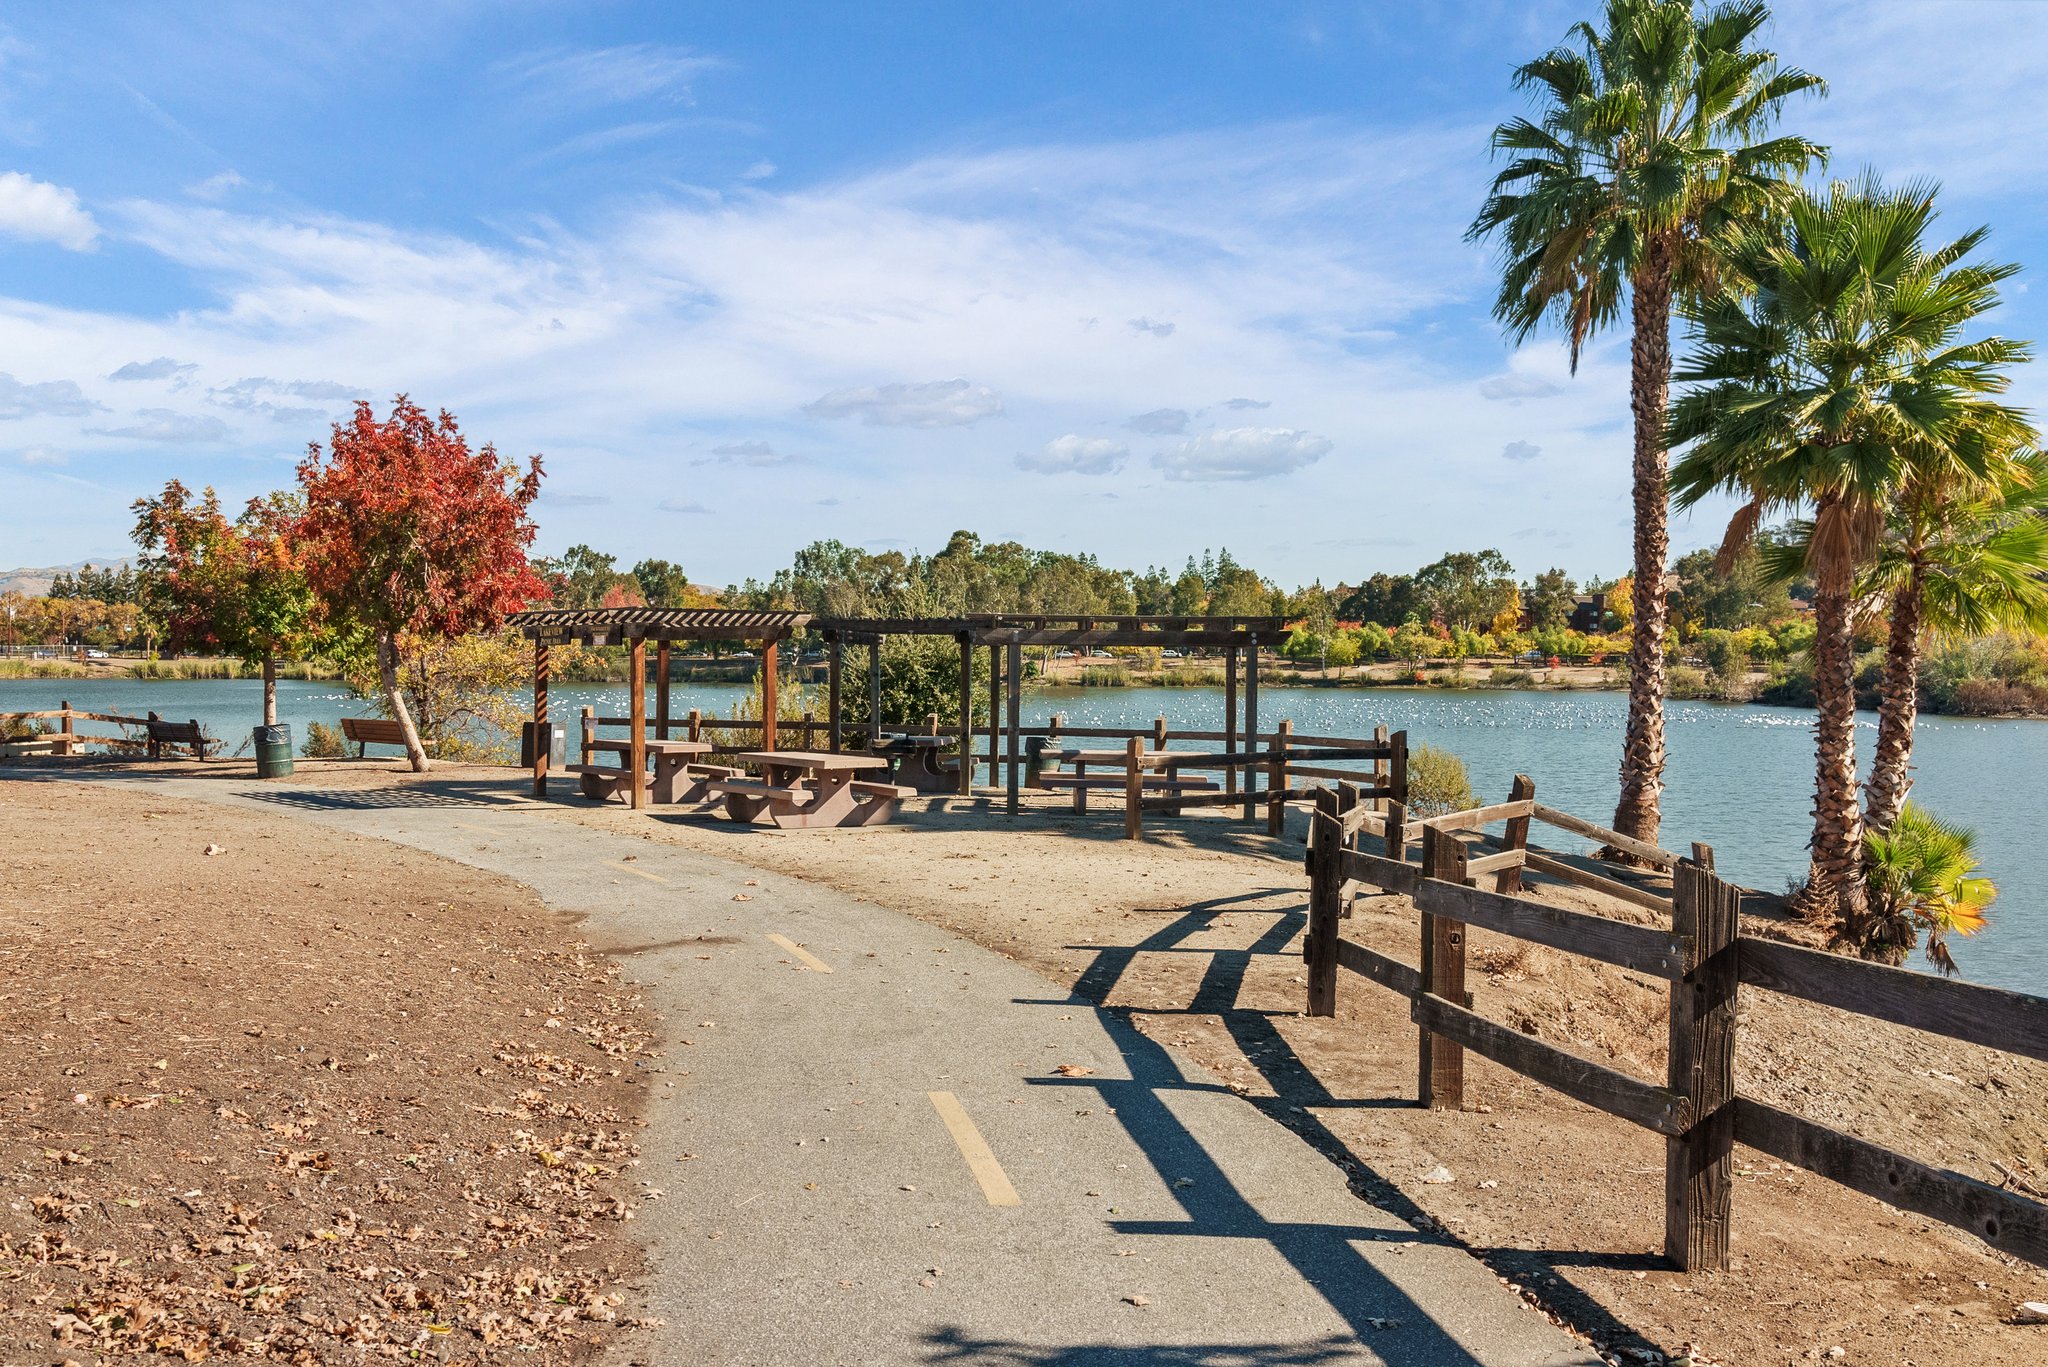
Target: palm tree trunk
<point x="1834" y="890"/>
<point x="1642" y="756"/>
<point x="1890" y="775"/>
<point x="394" y="698"/>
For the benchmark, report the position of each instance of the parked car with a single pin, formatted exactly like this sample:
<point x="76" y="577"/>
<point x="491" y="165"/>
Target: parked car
<point x="1063" y="654"/>
<point x="741" y="655"/>
<point x="1529" y="657"/>
<point x="95" y="654"/>
<point x="1169" y="654"/>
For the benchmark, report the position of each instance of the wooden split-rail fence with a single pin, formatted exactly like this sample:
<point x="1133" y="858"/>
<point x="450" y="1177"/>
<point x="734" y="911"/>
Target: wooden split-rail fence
<point x="24" y="733"/>
<point x="1704" y="956"/>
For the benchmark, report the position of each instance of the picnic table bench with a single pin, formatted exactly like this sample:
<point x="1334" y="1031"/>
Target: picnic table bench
<point x="368" y="731"/>
<point x="677" y="777"/>
<point x="808" y="789"/>
<point x="162" y="733"/>
<point x="915" y="759"/>
<point x="1168" y="781"/>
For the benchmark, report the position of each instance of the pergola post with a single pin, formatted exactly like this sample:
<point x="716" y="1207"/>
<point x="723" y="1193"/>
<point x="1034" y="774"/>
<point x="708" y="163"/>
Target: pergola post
<point x="770" y="705"/>
<point x="637" y="718"/>
<point x="1016" y="694"/>
<point x="661" y="689"/>
<point x="995" y="710"/>
<point x="1230" y="715"/>
<point x="1251" y="724"/>
<point x="834" y="649"/>
<point x="540" y="718"/>
<point x="874" y="694"/>
<point x="966" y="775"/>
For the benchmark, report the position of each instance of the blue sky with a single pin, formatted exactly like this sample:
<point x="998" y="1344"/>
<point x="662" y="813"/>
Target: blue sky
<point x="1130" y="278"/>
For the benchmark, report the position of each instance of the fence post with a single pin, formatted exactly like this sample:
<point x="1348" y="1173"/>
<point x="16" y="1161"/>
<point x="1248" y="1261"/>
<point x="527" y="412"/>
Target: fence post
<point x="589" y="734"/>
<point x="1325" y="893"/>
<point x="1397" y="831"/>
<point x="1379" y="765"/>
<point x="1699" y="1165"/>
<point x="1134" y="789"/>
<point x="696" y="723"/>
<point x="1522" y="790"/>
<point x="68" y="737"/>
<point x="1397" y="767"/>
<point x="1276" y="802"/>
<point x="1159" y="733"/>
<point x="1440" y="1063"/>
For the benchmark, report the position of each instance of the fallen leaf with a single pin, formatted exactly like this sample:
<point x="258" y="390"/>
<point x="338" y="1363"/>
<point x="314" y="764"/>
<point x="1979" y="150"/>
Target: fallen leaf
<point x="1139" y="1301"/>
<point x="1073" y="1070"/>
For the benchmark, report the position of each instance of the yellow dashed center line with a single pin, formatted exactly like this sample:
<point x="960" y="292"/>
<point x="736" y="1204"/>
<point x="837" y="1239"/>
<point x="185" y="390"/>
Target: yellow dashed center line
<point x="810" y="960"/>
<point x="981" y="1161"/>
<point x="628" y="868"/>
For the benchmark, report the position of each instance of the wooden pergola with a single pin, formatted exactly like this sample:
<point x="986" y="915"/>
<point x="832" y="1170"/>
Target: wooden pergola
<point x="634" y="628"/>
<point x="1006" y="634"/>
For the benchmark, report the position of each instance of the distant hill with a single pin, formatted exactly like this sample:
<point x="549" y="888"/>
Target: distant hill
<point x="37" y="581"/>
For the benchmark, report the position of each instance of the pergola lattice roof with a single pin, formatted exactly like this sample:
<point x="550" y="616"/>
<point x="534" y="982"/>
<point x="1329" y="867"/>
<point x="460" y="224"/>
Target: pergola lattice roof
<point x="613" y="626"/>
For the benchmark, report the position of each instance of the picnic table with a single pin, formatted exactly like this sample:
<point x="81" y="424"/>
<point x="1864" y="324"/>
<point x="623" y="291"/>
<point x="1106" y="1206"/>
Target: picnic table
<point x="914" y="760"/>
<point x="677" y="778"/>
<point x="807" y="789"/>
<point x="1161" y="773"/>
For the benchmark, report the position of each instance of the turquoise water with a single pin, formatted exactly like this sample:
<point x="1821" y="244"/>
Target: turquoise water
<point x="1739" y="777"/>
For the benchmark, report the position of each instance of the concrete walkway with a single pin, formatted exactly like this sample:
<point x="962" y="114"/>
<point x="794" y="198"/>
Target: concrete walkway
<point x="879" y="1143"/>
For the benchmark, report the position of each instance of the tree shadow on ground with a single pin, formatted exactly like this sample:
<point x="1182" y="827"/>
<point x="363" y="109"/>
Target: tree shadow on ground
<point x="955" y="1345"/>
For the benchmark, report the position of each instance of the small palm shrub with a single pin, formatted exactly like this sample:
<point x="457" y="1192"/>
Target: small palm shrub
<point x="1921" y="876"/>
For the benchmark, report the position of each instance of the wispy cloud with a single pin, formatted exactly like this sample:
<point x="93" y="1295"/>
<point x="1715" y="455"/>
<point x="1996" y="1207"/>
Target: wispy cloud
<point x="167" y="425"/>
<point x="43" y="398"/>
<point x="1517" y="386"/>
<point x="1521" y="450"/>
<point x="612" y="75"/>
<point x="1160" y="422"/>
<point x="162" y="368"/>
<point x="936" y="403"/>
<point x="758" y="454"/>
<point x="1152" y="326"/>
<point x="217" y="186"/>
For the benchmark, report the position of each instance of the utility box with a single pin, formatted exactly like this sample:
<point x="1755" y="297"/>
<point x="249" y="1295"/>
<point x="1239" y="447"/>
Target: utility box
<point x="555" y="737"/>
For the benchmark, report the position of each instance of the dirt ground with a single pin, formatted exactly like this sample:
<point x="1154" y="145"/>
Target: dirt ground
<point x="1196" y="933"/>
<point x="273" y="1091"/>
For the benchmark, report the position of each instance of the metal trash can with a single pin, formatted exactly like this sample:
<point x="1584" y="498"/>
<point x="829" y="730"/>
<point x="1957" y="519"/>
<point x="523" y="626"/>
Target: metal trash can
<point x="273" y="752"/>
<point x="557" y="744"/>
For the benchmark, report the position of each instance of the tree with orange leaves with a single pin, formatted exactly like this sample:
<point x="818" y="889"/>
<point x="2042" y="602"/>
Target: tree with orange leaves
<point x="407" y="532"/>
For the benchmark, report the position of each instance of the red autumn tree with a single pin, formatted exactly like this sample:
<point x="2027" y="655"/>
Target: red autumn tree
<point x="409" y="533"/>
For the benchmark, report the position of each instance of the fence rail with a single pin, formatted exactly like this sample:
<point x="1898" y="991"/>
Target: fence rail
<point x="17" y="737"/>
<point x="1703" y="955"/>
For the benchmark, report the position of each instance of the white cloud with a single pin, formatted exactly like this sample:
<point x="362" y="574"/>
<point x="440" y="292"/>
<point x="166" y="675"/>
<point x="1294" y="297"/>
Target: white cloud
<point x="610" y="75"/>
<point x="1518" y="386"/>
<point x="1153" y="326"/>
<point x="1160" y="422"/>
<point x="162" y="368"/>
<point x="1521" y="450"/>
<point x="668" y="505"/>
<point x="760" y="170"/>
<point x="38" y="211"/>
<point x="44" y="398"/>
<point x="1075" y="455"/>
<point x="1247" y="403"/>
<point x="936" y="403"/>
<point x="1241" y="453"/>
<point x="167" y="425"/>
<point x="316" y="390"/>
<point x="43" y="455"/>
<point x="217" y="186"/>
<point x="567" y="500"/>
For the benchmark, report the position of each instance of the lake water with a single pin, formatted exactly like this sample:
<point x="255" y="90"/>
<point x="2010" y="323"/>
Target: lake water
<point x="1739" y="777"/>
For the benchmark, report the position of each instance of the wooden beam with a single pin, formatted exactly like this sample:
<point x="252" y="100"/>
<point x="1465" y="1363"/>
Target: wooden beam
<point x="874" y="692"/>
<point x="1384" y="874"/>
<point x="1370" y="963"/>
<point x="1439" y="1061"/>
<point x="1278" y="783"/>
<point x="1613" y="887"/>
<point x="540" y="720"/>
<point x="1230" y="713"/>
<point x="1699" y="1165"/>
<point x="1655" y="952"/>
<point x="1991" y="1016"/>
<point x="966" y="774"/>
<point x="1663" y="859"/>
<point x="1016" y="719"/>
<point x="636" y="789"/>
<point x="1251" y="723"/>
<point x="1474" y="818"/>
<point x="1595" y="1084"/>
<point x="2005" y="1220"/>
<point x="771" y="706"/>
<point x="661" y="690"/>
<point x="1134" y="789"/>
<point x="1523" y="789"/>
<point x="1325" y="905"/>
<point x="835" y="667"/>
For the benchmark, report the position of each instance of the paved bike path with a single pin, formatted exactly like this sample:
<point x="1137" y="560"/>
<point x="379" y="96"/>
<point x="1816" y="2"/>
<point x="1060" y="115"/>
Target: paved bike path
<point x="867" y="1151"/>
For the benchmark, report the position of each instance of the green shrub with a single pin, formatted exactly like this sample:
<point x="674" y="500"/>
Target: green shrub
<point x="323" y="742"/>
<point x="1105" y="676"/>
<point x="1438" y="782"/>
<point x="1503" y="676"/>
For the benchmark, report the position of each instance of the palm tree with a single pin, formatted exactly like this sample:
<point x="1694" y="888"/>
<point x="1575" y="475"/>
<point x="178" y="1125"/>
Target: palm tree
<point x="1954" y="564"/>
<point x="1837" y="383"/>
<point x="1650" y="143"/>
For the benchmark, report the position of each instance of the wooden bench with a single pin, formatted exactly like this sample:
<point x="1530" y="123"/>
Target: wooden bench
<point x="162" y="733"/>
<point x="754" y="787"/>
<point x="368" y="731"/>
